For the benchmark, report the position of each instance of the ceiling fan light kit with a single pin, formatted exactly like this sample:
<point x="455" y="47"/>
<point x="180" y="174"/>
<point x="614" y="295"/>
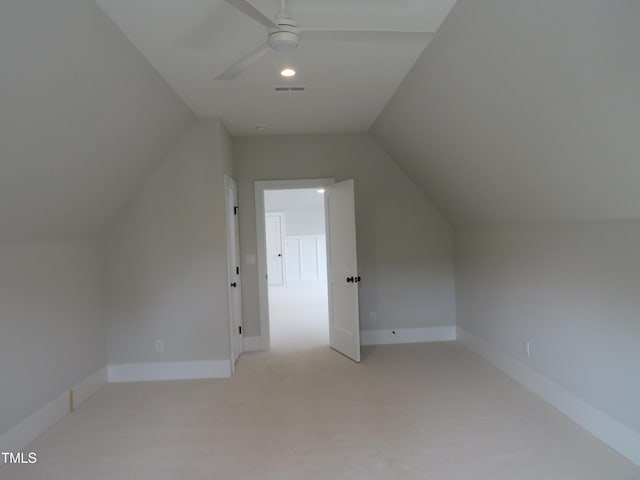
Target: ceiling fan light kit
<point x="283" y="41"/>
<point x="284" y="35"/>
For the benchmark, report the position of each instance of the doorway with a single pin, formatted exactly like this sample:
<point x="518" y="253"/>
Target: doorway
<point x="296" y="268"/>
<point x="335" y="266"/>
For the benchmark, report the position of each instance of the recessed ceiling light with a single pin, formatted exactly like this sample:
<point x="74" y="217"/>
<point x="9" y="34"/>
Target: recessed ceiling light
<point x="320" y="190"/>
<point x="288" y="72"/>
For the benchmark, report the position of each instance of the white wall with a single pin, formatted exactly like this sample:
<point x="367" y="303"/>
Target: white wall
<point x="404" y="244"/>
<point x="305" y="243"/>
<point x="51" y="334"/>
<point x="303" y="209"/>
<point x="166" y="258"/>
<point x="572" y="290"/>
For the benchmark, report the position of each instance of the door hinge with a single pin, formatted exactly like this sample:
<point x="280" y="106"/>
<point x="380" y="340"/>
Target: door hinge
<point x="240" y="330"/>
<point x="237" y="270"/>
<point x="235" y="210"/>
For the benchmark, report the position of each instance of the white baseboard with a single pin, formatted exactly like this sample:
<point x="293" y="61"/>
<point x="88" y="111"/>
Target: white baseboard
<point x="145" y="372"/>
<point x="252" y="344"/>
<point x="90" y="385"/>
<point x="18" y="437"/>
<point x="21" y="435"/>
<point x="407" y="335"/>
<point x="618" y="436"/>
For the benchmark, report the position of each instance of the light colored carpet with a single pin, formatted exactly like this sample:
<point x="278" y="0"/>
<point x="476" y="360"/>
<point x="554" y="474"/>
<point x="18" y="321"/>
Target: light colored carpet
<point x="431" y="411"/>
<point x="298" y="316"/>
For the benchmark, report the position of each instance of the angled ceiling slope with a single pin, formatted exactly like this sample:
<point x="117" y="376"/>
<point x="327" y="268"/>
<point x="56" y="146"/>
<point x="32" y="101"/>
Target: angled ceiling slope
<point x="525" y="111"/>
<point x="85" y="119"/>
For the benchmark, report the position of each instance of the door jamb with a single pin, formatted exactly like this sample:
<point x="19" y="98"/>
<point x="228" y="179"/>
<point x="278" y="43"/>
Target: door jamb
<point x="261" y="242"/>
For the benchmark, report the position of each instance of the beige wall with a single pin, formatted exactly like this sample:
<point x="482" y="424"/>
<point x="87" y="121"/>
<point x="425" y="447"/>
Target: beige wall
<point x="525" y="114"/>
<point x="404" y="243"/>
<point x="572" y="291"/>
<point x="52" y="332"/>
<point x="166" y="258"/>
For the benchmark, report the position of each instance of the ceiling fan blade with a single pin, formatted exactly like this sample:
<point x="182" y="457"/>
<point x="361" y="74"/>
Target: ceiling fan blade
<point x="339" y="35"/>
<point x="237" y="68"/>
<point x="250" y="9"/>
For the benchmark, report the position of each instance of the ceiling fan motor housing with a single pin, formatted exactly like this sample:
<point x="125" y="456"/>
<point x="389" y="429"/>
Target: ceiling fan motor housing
<point x="286" y="36"/>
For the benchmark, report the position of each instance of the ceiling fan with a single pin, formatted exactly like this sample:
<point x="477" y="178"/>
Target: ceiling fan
<point x="284" y="34"/>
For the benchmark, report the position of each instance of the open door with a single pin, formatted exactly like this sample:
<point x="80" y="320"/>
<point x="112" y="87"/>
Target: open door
<point x="233" y="269"/>
<point x="342" y="269"/>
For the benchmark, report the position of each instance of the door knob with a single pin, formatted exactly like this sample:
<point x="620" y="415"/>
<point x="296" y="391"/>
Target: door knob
<point x="234" y="284"/>
<point x="279" y="254"/>
<point x="350" y="279"/>
<point x="357" y="279"/>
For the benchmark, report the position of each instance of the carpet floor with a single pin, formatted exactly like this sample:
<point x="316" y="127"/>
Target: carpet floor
<point x="424" y="411"/>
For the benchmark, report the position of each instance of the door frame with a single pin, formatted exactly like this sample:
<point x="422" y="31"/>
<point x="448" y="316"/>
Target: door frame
<point x="260" y="187"/>
<point x="283" y="240"/>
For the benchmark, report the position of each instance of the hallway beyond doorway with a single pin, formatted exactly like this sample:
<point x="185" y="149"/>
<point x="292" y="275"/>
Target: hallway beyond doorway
<point x="299" y="316"/>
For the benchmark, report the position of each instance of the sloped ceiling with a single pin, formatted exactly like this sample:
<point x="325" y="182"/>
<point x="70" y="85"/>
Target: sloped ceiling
<point x="525" y="111"/>
<point x="84" y="119"/>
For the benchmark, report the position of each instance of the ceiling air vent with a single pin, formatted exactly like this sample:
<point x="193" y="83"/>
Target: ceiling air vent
<point x="288" y="89"/>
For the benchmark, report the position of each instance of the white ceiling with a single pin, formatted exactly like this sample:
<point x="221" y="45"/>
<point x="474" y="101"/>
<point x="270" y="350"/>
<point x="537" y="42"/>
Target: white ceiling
<point x="190" y="42"/>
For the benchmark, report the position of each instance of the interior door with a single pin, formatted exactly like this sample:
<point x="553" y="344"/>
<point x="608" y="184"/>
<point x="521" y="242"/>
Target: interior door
<point x="275" y="249"/>
<point x="233" y="265"/>
<point x="342" y="269"/>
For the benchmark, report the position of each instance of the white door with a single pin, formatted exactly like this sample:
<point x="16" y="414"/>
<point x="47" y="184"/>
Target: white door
<point x="342" y="269"/>
<point x="275" y="248"/>
<point x="233" y="267"/>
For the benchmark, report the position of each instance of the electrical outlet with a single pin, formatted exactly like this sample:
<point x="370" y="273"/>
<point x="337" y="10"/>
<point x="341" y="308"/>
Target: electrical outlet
<point x="373" y="317"/>
<point x="159" y="346"/>
<point x="527" y="348"/>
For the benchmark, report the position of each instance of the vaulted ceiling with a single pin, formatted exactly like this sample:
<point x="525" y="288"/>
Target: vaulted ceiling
<point x="518" y="111"/>
<point x="348" y="81"/>
<point x="525" y="111"/>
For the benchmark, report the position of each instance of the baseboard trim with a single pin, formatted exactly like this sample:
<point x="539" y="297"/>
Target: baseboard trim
<point x="407" y="335"/>
<point x="612" y="432"/>
<point x="252" y="344"/>
<point x="25" y="432"/>
<point x="87" y="387"/>
<point x="147" y="372"/>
